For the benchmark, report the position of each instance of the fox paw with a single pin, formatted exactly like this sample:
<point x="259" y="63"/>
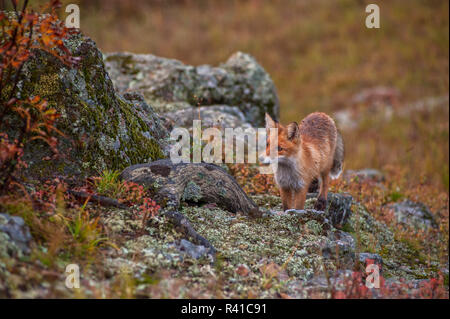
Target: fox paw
<point x="321" y="204"/>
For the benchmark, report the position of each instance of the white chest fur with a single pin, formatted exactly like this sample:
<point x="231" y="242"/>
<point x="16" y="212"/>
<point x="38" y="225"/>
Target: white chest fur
<point x="287" y="176"/>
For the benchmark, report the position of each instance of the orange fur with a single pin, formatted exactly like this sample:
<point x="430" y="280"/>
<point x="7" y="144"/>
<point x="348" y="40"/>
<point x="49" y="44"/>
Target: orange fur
<point x="302" y="153"/>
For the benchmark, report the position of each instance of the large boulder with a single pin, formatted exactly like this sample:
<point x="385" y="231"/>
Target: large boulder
<point x="103" y="129"/>
<point x="171" y="86"/>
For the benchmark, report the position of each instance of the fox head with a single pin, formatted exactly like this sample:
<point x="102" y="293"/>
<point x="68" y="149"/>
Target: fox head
<point x="282" y="142"/>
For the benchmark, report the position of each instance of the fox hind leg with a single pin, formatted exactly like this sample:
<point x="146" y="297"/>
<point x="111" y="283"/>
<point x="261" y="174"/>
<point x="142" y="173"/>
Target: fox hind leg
<point x="338" y="159"/>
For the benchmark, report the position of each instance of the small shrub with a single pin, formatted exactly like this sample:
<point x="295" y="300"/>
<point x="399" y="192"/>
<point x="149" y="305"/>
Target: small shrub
<point x="148" y="209"/>
<point x="29" y="117"/>
<point x="108" y="184"/>
<point x="132" y="194"/>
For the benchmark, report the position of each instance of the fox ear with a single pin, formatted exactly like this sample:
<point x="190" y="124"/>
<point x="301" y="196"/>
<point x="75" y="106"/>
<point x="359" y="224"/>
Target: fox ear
<point x="270" y="123"/>
<point x="293" y="132"/>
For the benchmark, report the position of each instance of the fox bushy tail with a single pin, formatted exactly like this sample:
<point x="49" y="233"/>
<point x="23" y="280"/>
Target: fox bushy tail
<point x="338" y="160"/>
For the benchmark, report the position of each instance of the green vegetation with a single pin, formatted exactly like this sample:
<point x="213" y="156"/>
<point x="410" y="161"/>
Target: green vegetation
<point x="108" y="184"/>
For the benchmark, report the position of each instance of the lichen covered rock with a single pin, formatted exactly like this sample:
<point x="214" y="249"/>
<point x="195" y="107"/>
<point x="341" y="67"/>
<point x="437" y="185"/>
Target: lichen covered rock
<point x="171" y="86"/>
<point x="338" y="208"/>
<point x="413" y="214"/>
<point x="171" y="184"/>
<point x="102" y="128"/>
<point x="297" y="242"/>
<point x="194" y="251"/>
<point x="219" y="116"/>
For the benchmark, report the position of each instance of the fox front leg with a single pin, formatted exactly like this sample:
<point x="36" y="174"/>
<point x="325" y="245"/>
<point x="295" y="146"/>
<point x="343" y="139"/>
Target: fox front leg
<point x="300" y="198"/>
<point x="286" y="199"/>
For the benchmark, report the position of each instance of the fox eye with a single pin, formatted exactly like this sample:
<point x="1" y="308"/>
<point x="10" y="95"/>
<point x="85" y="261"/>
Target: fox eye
<point x="280" y="148"/>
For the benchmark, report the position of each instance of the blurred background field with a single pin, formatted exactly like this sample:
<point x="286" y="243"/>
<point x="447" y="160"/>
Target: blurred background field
<point x="391" y="84"/>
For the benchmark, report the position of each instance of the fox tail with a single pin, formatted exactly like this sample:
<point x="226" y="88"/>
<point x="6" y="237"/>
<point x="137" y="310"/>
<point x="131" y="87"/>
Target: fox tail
<point x="338" y="160"/>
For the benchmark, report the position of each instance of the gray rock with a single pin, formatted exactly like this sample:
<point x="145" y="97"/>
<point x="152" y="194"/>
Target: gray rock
<point x="376" y="95"/>
<point x="363" y="257"/>
<point x="346" y="119"/>
<point x="202" y="183"/>
<point x="366" y="258"/>
<point x="18" y="237"/>
<point x="317" y="283"/>
<point x="341" y="245"/>
<point x="320" y="285"/>
<point x="195" y="251"/>
<point x="381" y="107"/>
<point x="367" y="174"/>
<point x="338" y="207"/>
<point x="343" y="239"/>
<point x="170" y="85"/>
<point x="413" y="213"/>
<point x="219" y="116"/>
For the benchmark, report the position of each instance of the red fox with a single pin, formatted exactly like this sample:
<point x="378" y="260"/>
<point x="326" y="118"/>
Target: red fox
<point x="301" y="153"/>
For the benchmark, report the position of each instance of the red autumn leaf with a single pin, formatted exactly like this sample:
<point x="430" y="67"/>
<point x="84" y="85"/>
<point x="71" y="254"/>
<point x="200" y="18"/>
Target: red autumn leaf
<point x="242" y="270"/>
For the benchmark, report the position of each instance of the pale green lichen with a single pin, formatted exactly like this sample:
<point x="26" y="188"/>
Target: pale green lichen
<point x="301" y="249"/>
<point x="192" y="192"/>
<point x="314" y="227"/>
<point x="244" y="240"/>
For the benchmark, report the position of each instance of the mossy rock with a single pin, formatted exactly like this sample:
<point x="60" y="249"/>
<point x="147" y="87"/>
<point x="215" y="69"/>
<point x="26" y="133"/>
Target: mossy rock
<point x="103" y="130"/>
